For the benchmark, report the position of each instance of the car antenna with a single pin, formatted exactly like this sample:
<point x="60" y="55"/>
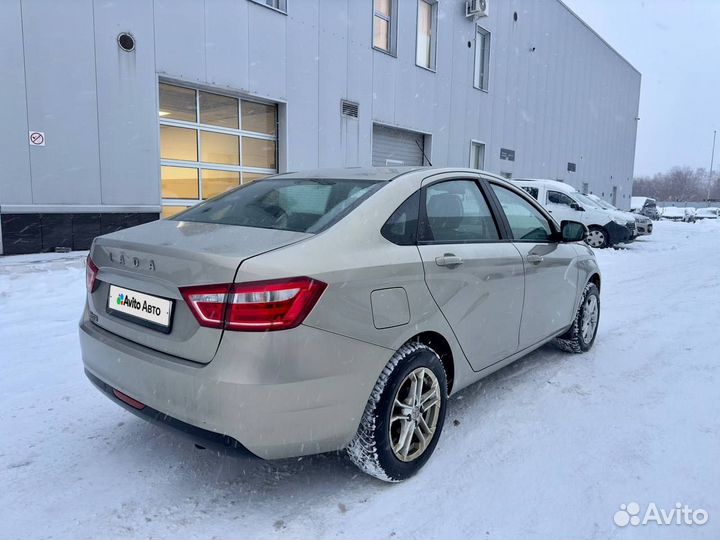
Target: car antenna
<point x="423" y="152"/>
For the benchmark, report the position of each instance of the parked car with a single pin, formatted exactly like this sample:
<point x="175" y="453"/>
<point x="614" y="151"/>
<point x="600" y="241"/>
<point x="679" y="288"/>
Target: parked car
<point x="315" y="311"/>
<point x="677" y="213"/>
<point x="643" y="224"/>
<point x="607" y="228"/>
<point x="708" y="213"/>
<point x="646" y="206"/>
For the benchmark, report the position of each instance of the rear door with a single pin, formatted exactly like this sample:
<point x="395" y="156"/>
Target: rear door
<point x="551" y="272"/>
<point x="474" y="275"/>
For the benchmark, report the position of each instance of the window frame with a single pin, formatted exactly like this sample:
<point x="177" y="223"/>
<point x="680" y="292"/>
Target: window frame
<point x="423" y="223"/>
<point x="481" y="77"/>
<point x="280" y="8"/>
<point x="392" y="28"/>
<point x="549" y="191"/>
<point x="555" y="236"/>
<point x="433" y="34"/>
<point x="199" y="128"/>
<point x="474" y="143"/>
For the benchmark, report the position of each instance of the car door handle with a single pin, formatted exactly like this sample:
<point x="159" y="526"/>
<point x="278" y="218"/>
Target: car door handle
<point x="449" y="259"/>
<point x="535" y="259"/>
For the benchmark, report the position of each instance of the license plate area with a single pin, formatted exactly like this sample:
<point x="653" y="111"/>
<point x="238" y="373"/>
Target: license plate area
<point x="140" y="308"/>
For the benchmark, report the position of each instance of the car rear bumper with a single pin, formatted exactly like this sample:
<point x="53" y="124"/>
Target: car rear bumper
<point x="278" y="395"/>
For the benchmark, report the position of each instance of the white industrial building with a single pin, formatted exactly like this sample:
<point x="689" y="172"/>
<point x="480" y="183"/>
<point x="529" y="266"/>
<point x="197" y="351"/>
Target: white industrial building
<point x="118" y="112"/>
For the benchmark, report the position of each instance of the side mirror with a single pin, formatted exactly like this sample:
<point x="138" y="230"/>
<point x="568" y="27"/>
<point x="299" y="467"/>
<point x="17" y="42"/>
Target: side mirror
<point x="573" y="231"/>
<point x="576" y="206"/>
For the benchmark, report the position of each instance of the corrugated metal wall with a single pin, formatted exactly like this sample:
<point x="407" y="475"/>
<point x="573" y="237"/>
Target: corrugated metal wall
<point x="393" y="146"/>
<point x="557" y="93"/>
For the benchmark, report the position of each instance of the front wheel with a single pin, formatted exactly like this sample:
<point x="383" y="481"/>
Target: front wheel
<point x="404" y="416"/>
<point x="581" y="335"/>
<point x="597" y="237"/>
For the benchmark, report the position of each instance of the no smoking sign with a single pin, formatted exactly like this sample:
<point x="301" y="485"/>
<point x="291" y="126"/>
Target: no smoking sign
<point x="36" y="138"/>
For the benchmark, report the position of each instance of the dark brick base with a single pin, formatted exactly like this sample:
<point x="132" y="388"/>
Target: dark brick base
<point x="35" y="233"/>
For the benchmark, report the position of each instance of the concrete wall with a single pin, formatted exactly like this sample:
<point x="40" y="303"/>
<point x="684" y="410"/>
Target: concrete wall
<point x="557" y="92"/>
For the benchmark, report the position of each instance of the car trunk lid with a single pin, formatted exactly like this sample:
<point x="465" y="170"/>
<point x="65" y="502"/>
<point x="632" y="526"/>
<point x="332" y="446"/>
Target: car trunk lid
<point x="157" y="259"/>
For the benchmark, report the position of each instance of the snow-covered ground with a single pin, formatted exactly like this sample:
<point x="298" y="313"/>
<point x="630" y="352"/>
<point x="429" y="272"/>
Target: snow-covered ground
<point x="548" y="447"/>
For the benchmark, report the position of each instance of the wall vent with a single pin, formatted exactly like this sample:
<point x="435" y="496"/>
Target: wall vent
<point x="349" y="108"/>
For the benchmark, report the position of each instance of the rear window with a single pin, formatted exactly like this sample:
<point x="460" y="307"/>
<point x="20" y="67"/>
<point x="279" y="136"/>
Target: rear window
<point x="289" y="204"/>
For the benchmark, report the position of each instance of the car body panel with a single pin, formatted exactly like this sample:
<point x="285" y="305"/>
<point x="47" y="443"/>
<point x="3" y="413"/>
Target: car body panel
<point x="159" y="257"/>
<point x="303" y="390"/>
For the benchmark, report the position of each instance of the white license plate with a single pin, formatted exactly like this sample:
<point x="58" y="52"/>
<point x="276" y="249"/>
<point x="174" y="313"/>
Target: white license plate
<point x="137" y="305"/>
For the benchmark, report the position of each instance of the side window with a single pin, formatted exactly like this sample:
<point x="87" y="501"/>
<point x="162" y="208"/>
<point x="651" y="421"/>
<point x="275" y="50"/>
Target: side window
<point x="457" y="213"/>
<point x="532" y="191"/>
<point x="526" y="222"/>
<point x="401" y="227"/>
<point x="555" y="197"/>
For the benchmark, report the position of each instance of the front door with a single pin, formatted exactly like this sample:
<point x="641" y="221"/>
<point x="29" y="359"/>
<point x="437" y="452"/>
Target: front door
<point x="551" y="272"/>
<point x="475" y="278"/>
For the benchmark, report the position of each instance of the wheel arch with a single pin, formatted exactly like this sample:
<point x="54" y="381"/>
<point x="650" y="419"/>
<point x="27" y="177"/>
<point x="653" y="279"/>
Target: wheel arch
<point x="595" y="278"/>
<point x="441" y="346"/>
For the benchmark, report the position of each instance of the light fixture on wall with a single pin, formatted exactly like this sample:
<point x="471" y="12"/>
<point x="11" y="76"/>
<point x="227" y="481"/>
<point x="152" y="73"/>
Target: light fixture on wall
<point x="126" y="41"/>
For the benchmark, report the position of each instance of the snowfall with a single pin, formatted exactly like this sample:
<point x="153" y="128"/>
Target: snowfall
<point x="550" y="446"/>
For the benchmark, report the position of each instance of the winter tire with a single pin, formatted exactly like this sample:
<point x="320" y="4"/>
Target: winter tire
<point x="597" y="237"/>
<point x="581" y="335"/>
<point x="404" y="416"/>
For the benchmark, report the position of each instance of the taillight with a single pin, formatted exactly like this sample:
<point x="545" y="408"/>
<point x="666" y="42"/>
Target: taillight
<point x="90" y="275"/>
<point x="257" y="306"/>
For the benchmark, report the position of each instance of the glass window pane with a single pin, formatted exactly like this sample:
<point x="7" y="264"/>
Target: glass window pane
<point x="258" y="153"/>
<point x="178" y="143"/>
<point x="381" y="33"/>
<point x="177" y="103"/>
<point x="179" y="183"/>
<point x="383" y="6"/>
<point x="525" y="221"/>
<point x="258" y="117"/>
<point x="248" y="177"/>
<point x="170" y="211"/>
<point x="457" y="212"/>
<point x="219" y="148"/>
<point x="424" y="34"/>
<point x="219" y="110"/>
<point x="297" y="204"/>
<point x="217" y="182"/>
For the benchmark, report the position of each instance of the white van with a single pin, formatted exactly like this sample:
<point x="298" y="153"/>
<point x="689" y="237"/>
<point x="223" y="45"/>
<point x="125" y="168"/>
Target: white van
<point x="607" y="227"/>
<point x="643" y="224"/>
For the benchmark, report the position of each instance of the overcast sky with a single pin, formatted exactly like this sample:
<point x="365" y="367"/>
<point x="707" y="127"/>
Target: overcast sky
<point x="675" y="44"/>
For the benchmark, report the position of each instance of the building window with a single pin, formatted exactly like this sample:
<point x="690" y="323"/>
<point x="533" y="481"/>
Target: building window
<point x="210" y="143"/>
<point x="426" y="34"/>
<point x="482" y="58"/>
<point x="477" y="155"/>
<point x="280" y="5"/>
<point x="385" y="26"/>
<point x="585" y="188"/>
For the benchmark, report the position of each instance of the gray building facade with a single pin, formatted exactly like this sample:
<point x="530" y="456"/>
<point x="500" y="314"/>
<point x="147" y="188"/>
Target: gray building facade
<point x="116" y="113"/>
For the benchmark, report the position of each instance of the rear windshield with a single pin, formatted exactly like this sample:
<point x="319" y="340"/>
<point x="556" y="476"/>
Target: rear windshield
<point x="288" y="204"/>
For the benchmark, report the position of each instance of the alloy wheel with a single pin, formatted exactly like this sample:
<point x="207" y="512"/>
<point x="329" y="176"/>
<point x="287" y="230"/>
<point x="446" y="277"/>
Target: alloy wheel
<point x="590" y="318"/>
<point x="415" y="413"/>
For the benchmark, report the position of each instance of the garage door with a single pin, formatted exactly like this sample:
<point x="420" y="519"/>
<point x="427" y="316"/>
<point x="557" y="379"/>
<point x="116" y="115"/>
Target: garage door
<point x="393" y="146"/>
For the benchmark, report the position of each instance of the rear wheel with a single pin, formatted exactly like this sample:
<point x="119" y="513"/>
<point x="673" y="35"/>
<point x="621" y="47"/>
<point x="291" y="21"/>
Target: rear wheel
<point x="597" y="237"/>
<point x="404" y="416"/>
<point x="581" y="335"/>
